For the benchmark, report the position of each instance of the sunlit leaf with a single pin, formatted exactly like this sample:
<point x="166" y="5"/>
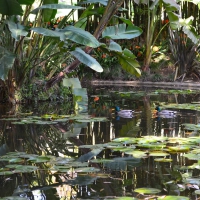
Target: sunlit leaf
<point x="147" y="190"/>
<point x="137" y="153"/>
<point x="87" y="59"/>
<point x="80" y="36"/>
<point x="179" y="148"/>
<point x="169" y="197"/>
<point x="161" y="154"/>
<point x="163" y="160"/>
<point x="120" y="32"/>
<point x="87" y="169"/>
<point x="4" y="173"/>
<point x="6" y="62"/>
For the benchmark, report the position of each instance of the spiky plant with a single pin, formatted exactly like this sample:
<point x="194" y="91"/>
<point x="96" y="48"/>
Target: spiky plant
<point x="185" y="55"/>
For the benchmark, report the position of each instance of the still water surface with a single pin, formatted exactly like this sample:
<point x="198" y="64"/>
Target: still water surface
<point x="63" y="138"/>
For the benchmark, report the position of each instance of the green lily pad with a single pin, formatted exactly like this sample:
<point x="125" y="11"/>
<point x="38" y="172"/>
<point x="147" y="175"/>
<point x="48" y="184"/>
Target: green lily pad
<point x="157" y="154"/>
<point x="101" y="160"/>
<point x="147" y="190"/>
<point x="163" y="160"/>
<point x="4" y="173"/>
<point x="137" y="153"/>
<point x="192" y="156"/>
<point x="179" y="148"/>
<point x="40" y="159"/>
<point x="152" y="146"/>
<point x="125" y="139"/>
<point x="22" y="168"/>
<point x="197" y="192"/>
<point x="13" y="198"/>
<point x="173" y="198"/>
<point x="87" y="169"/>
<point x="124" y="198"/>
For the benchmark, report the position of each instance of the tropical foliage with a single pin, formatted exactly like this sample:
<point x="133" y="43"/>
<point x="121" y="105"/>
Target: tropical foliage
<point x="37" y="48"/>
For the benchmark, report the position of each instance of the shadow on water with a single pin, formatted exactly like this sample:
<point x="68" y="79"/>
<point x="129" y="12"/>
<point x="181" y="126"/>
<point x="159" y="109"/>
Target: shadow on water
<point x="63" y="138"/>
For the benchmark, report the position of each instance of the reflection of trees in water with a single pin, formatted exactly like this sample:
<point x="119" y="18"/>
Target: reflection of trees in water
<point x="53" y="140"/>
<point x="146" y="119"/>
<point x="39" y="140"/>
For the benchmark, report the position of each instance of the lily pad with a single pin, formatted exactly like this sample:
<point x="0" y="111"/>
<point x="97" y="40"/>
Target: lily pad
<point x="87" y="169"/>
<point x="163" y="160"/>
<point x="4" y="173"/>
<point x="179" y="148"/>
<point x="157" y="154"/>
<point x="13" y="198"/>
<point x="173" y="198"/>
<point x="147" y="190"/>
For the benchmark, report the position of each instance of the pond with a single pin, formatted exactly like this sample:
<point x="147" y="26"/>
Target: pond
<point x="50" y="152"/>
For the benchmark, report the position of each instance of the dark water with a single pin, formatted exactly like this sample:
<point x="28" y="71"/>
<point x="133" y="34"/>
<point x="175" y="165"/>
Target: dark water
<point x="117" y="180"/>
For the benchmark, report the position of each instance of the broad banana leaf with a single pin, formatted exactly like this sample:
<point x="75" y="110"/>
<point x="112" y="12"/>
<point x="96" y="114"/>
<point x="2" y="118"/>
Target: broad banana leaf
<point x="80" y="36"/>
<point x="87" y="59"/>
<point x="16" y="30"/>
<point x="128" y="62"/>
<point x="47" y="32"/>
<point x="114" y="46"/>
<point x="10" y="7"/>
<point x="55" y="7"/>
<point x="189" y="30"/>
<point x="121" y="32"/>
<point x="71" y="33"/>
<point x="6" y="62"/>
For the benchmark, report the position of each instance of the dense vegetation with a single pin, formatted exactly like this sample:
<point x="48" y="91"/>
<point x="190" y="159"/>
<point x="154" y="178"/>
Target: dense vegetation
<point x="115" y="39"/>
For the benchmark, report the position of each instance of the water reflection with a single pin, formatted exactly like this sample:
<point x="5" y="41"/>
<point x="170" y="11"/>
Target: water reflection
<point x="64" y="138"/>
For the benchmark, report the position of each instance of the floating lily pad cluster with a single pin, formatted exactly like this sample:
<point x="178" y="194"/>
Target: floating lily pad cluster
<point x="138" y="94"/>
<point x="21" y="162"/>
<point x="49" y="119"/>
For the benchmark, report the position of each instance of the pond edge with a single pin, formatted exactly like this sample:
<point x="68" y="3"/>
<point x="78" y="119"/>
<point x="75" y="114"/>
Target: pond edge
<point x="178" y="85"/>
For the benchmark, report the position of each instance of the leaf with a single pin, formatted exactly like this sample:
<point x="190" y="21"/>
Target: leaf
<point x="72" y="82"/>
<point x="49" y="14"/>
<point x="17" y="30"/>
<point x="10" y="7"/>
<point x="87" y="59"/>
<point x="129" y="64"/>
<point x="147" y="190"/>
<point x="114" y="46"/>
<point x="174" y="20"/>
<point x="6" y="62"/>
<point x="89" y="155"/>
<point x="87" y="169"/>
<point x="191" y="33"/>
<point x="171" y="5"/>
<point x="80" y="36"/>
<point x="120" y="32"/>
<point x="47" y="32"/>
<point x="13" y="198"/>
<point x="56" y="7"/>
<point x="26" y="2"/>
<point x="173" y="198"/>
<point x="103" y="2"/>
<point x="155" y="154"/>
